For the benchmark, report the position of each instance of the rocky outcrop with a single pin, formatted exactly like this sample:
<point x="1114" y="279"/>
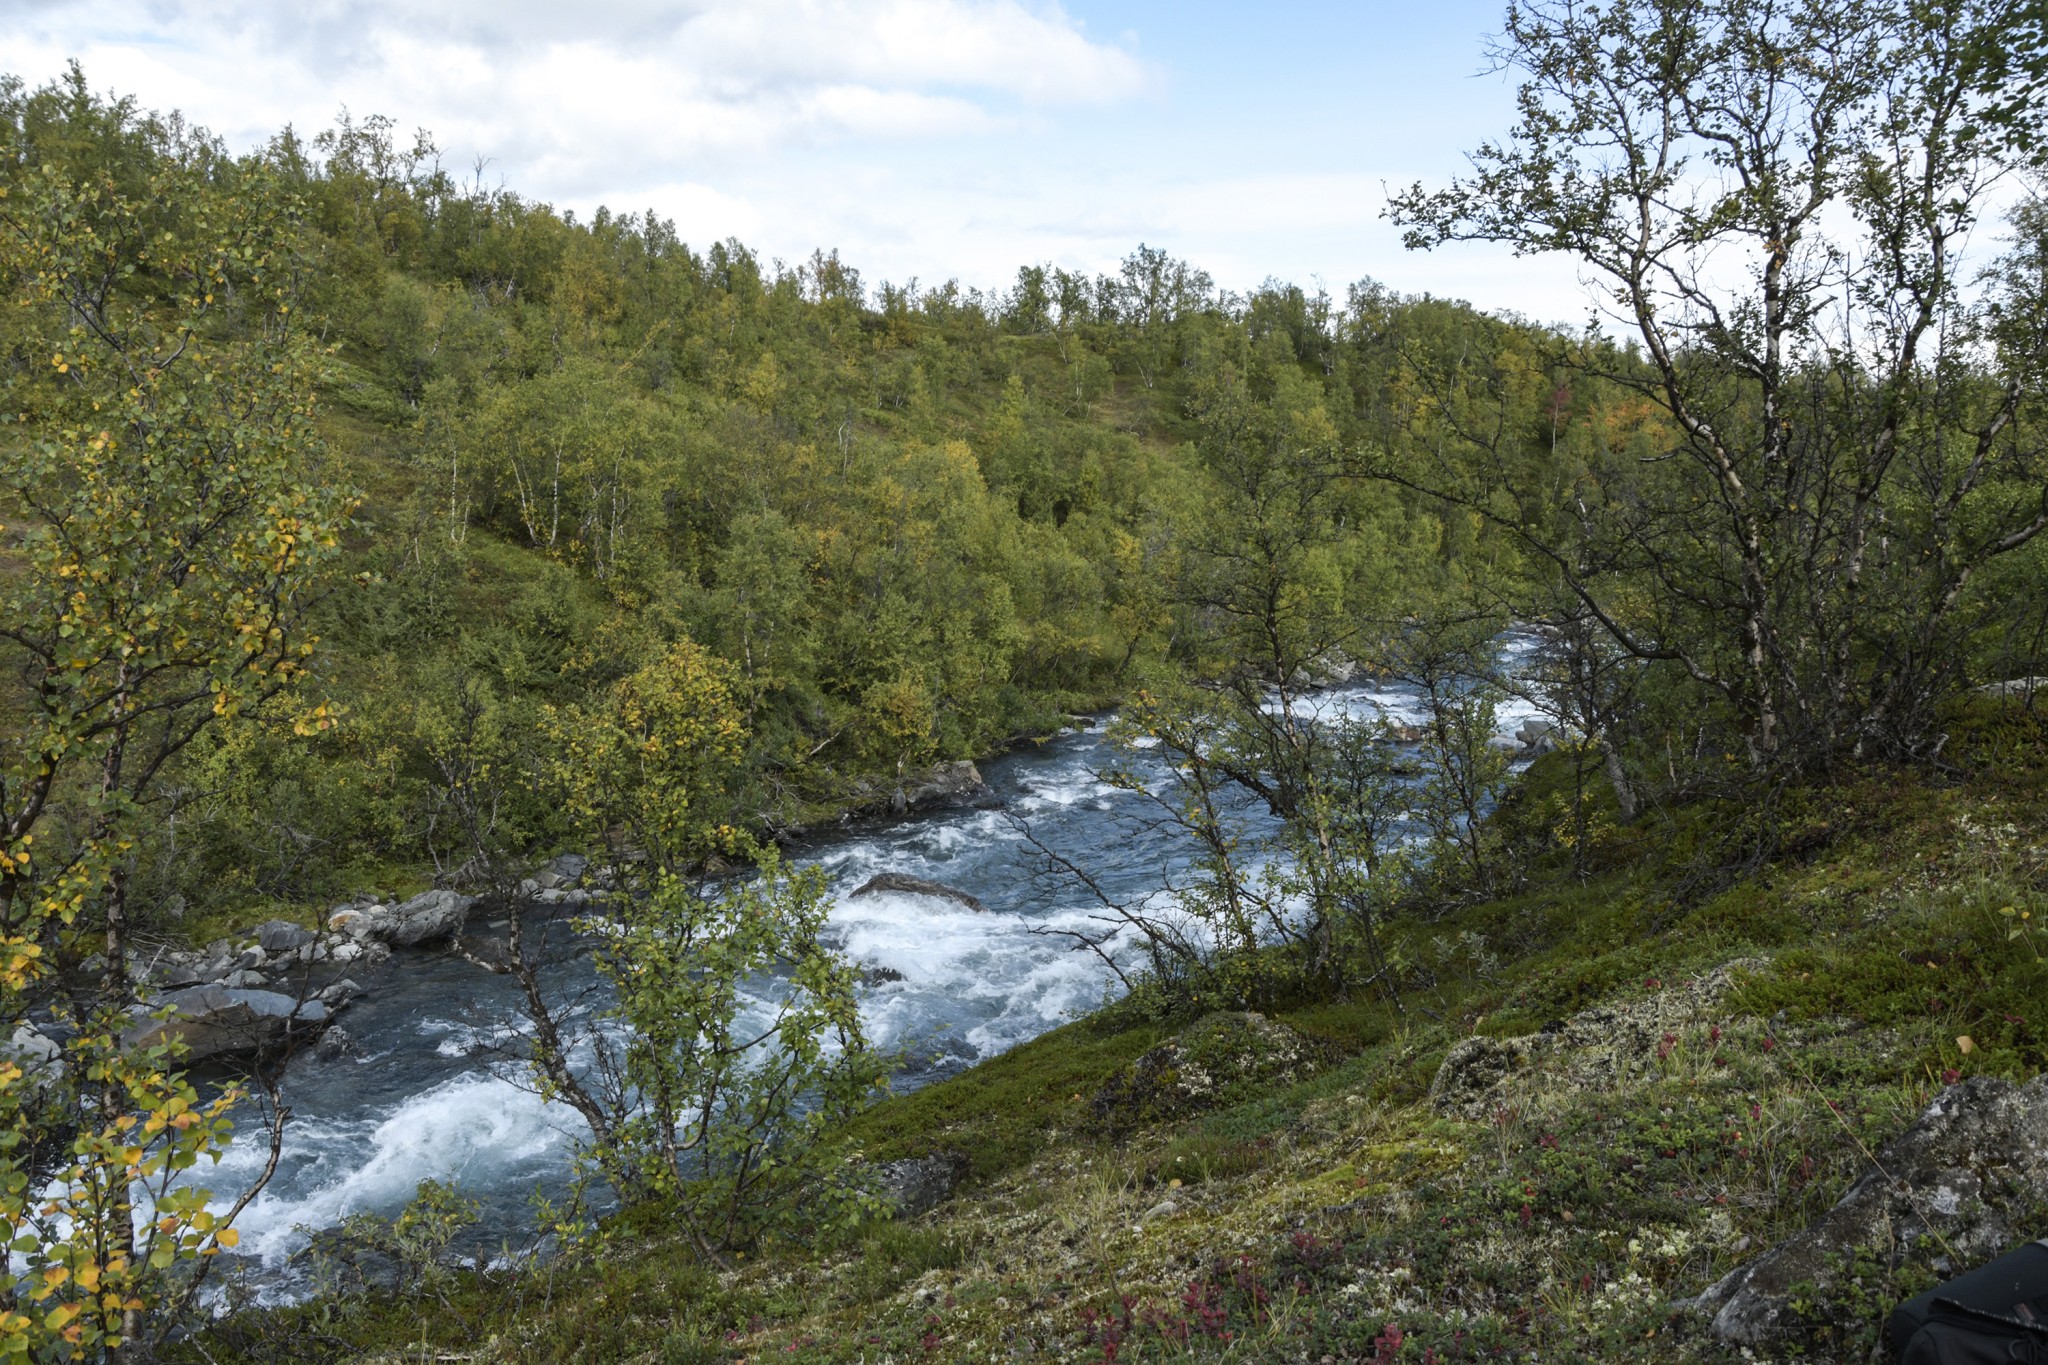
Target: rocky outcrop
<point x="426" y="918"/>
<point x="1217" y="1060"/>
<point x="1595" y="1049"/>
<point x="940" y="786"/>
<point x="1967" y="1182"/>
<point x="918" y="886"/>
<point x="211" y="1020"/>
<point x="279" y="955"/>
<point x="2018" y="689"/>
<point x="917" y="1185"/>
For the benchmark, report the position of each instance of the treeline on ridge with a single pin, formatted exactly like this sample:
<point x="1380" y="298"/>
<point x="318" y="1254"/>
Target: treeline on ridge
<point x="905" y="523"/>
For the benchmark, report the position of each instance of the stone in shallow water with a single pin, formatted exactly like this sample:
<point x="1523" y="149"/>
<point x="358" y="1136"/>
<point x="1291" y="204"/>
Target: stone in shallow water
<point x="335" y="1045"/>
<point x="213" y="1020"/>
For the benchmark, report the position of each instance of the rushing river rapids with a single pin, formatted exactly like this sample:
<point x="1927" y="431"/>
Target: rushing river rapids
<point x="420" y="1098"/>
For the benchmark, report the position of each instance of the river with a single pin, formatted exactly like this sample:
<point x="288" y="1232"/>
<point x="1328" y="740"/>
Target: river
<point x="418" y="1099"/>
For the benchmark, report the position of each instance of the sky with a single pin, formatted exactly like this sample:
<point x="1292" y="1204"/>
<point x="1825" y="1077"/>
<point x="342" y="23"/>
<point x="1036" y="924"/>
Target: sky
<point x="926" y="139"/>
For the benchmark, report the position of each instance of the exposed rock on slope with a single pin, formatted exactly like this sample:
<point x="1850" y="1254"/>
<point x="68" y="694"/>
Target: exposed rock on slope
<point x="1219" y="1059"/>
<point x="1971" y="1176"/>
<point x="1593" y="1050"/>
<point x="916" y="1185"/>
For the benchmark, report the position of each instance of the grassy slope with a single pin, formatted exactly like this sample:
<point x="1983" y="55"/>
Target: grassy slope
<point x="1713" y="1113"/>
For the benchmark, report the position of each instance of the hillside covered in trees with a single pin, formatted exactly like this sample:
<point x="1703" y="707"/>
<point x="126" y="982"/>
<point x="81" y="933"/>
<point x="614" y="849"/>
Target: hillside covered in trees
<point x="366" y="530"/>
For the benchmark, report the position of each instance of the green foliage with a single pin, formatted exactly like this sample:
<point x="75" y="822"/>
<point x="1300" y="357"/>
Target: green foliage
<point x="662" y="547"/>
<point x="735" y="1105"/>
<point x="1008" y="1109"/>
<point x="1835" y="368"/>
<point x="658" y="762"/>
<point x="415" y="1245"/>
<point x="167" y="528"/>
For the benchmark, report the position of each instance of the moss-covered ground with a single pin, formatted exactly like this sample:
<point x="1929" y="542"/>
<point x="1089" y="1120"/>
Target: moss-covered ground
<point x="1762" y="1027"/>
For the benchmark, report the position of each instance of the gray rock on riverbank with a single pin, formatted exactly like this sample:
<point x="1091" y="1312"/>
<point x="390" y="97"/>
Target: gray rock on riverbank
<point x="426" y="918"/>
<point x="211" y="1020"/>
<point x="944" y="784"/>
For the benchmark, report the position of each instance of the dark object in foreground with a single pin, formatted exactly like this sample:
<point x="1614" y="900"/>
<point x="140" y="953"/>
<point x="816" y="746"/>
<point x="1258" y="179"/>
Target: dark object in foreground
<point x="1995" y="1313"/>
<point x="918" y="886"/>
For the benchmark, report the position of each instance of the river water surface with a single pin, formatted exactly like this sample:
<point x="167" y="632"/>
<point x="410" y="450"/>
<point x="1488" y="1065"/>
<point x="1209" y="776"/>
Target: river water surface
<point x="420" y="1098"/>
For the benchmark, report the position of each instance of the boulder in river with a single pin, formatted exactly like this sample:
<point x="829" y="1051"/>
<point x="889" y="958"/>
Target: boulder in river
<point x="211" y="1020"/>
<point x="945" y="784"/>
<point x="335" y="1045"/>
<point x="918" y="886"/>
<point x="425" y="918"/>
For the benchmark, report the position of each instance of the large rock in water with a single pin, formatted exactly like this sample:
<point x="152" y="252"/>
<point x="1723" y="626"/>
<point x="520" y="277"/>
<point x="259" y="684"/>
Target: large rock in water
<point x="917" y="886"/>
<point x="946" y="784"/>
<point x="211" y="1020"/>
<point x="425" y="918"/>
<point x="1219" y="1059"/>
<point x="1965" y="1183"/>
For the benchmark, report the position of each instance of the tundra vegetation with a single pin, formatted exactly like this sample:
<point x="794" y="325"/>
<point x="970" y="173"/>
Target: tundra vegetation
<point x="367" y="527"/>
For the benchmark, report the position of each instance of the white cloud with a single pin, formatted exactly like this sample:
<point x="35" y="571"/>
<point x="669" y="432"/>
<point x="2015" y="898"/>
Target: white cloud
<point x="612" y="89"/>
<point x="928" y="138"/>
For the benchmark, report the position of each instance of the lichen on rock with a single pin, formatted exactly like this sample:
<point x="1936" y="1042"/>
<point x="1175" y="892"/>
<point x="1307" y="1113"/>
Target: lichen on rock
<point x="1220" y="1059"/>
<point x="1965" y="1183"/>
<point x="1595" y="1049"/>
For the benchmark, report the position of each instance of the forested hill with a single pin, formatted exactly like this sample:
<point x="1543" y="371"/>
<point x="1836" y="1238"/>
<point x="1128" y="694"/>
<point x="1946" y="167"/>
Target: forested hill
<point x="904" y="523"/>
<point x="914" y="522"/>
<point x="363" y="530"/>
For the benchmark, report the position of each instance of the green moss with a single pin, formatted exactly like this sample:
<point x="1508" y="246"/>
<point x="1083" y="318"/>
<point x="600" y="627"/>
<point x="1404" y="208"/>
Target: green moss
<point x="1003" y="1112"/>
